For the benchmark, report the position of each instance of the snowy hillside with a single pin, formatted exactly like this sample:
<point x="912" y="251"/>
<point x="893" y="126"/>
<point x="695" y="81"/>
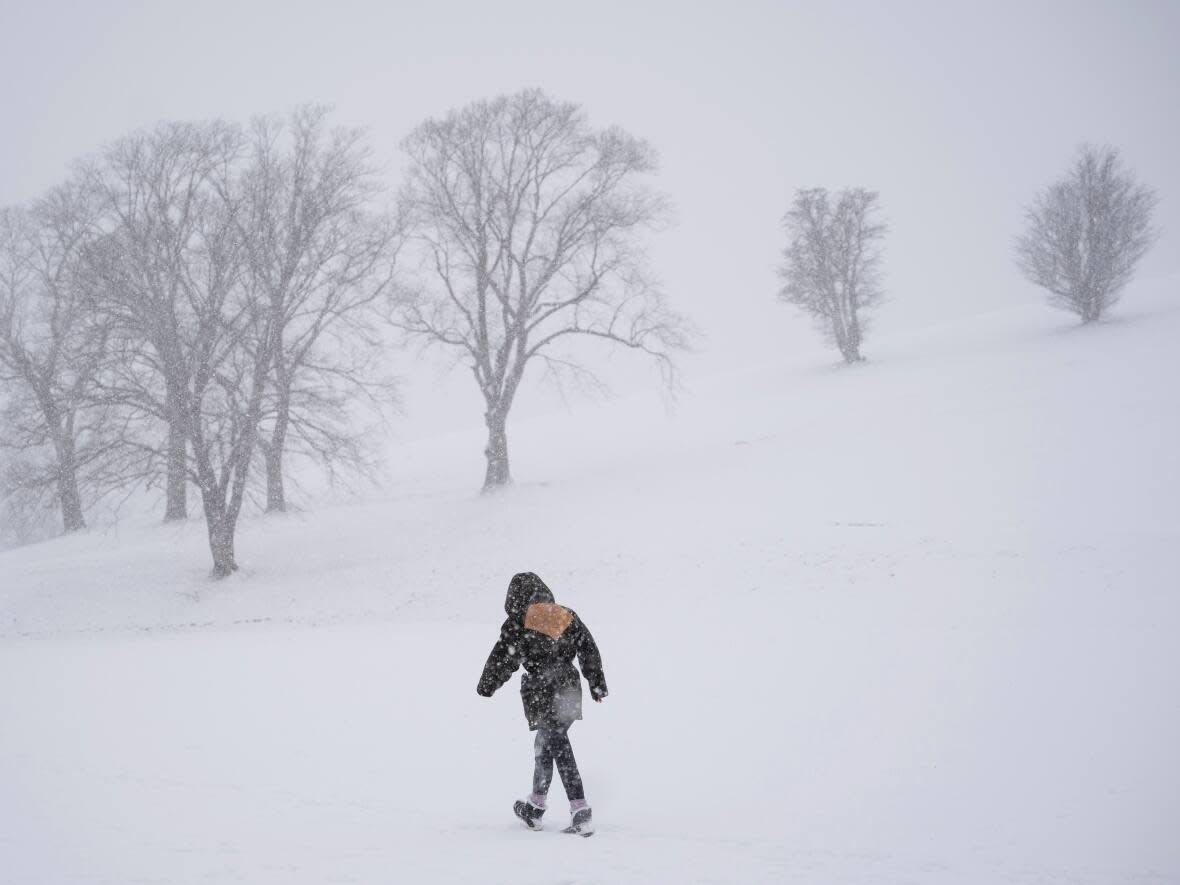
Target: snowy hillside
<point x="914" y="621"/>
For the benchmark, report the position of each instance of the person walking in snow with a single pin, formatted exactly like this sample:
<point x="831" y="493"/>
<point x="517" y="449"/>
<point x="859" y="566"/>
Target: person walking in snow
<point x="545" y="637"/>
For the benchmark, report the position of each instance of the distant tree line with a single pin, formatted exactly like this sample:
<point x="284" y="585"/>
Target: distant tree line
<point x="194" y="299"/>
<point x="1085" y="235"/>
<point x="201" y="301"/>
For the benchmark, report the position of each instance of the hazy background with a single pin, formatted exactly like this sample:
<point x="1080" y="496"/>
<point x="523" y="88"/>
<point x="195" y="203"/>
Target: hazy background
<point x="956" y="113"/>
<point x="913" y="619"/>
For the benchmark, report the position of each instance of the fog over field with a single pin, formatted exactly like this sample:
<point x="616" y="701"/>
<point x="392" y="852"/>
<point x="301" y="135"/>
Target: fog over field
<point x="820" y="359"/>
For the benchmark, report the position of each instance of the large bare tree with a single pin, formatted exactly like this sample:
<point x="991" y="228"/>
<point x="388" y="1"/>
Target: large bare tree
<point x="529" y="223"/>
<point x="832" y="268"/>
<point x="52" y="346"/>
<point x="322" y="259"/>
<point x="193" y="327"/>
<point x="1086" y="233"/>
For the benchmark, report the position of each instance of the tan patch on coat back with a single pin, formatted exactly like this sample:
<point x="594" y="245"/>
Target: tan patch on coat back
<point x="548" y="618"/>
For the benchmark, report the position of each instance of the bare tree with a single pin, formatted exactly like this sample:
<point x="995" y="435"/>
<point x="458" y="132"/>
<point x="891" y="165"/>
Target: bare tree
<point x="322" y="259"/>
<point x="52" y="345"/>
<point x="1086" y="233"/>
<point x="192" y="324"/>
<point x="528" y="222"/>
<point x="832" y="269"/>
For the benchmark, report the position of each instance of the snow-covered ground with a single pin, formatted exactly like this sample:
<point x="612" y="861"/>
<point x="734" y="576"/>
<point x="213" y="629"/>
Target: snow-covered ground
<point x="916" y="621"/>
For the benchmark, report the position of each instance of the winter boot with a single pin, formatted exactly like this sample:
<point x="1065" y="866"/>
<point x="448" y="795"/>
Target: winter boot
<point x="529" y="813"/>
<point x="581" y="824"/>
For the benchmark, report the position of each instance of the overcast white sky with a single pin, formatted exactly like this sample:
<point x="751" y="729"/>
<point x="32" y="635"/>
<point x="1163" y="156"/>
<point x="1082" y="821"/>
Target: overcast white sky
<point x="955" y="112"/>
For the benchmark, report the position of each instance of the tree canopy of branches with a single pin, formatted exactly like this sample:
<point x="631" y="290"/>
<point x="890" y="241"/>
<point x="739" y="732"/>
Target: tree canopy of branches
<point x="832" y="267"/>
<point x="528" y="223"/>
<point x="1086" y="233"/>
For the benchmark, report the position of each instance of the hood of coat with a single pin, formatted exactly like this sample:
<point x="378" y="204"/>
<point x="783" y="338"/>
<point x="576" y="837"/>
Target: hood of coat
<point x="523" y="589"/>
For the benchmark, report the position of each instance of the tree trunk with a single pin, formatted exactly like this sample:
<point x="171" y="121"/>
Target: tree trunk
<point x="847" y="343"/>
<point x="67" y="487"/>
<point x="276" y="498"/>
<point x="221" y="545"/>
<point x="219" y="523"/>
<point x="1091" y="310"/>
<point x="498" y="474"/>
<point x="1089" y="305"/>
<point x="62" y="433"/>
<point x="176" y="504"/>
<point x="851" y="346"/>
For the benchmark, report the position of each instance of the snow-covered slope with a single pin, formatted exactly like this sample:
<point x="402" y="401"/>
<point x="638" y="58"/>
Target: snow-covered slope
<point x="913" y="621"/>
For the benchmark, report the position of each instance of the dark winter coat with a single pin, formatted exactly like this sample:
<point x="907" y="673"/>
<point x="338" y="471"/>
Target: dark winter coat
<point x="543" y="637"/>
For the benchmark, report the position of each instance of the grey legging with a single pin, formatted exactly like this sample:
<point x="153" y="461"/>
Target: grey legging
<point x="553" y="745"/>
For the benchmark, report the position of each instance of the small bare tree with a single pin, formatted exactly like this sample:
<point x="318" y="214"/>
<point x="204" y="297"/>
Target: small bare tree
<point x="1086" y="233"/>
<point x="52" y="345"/>
<point x="322" y="258"/>
<point x="529" y="222"/>
<point x="832" y="269"/>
